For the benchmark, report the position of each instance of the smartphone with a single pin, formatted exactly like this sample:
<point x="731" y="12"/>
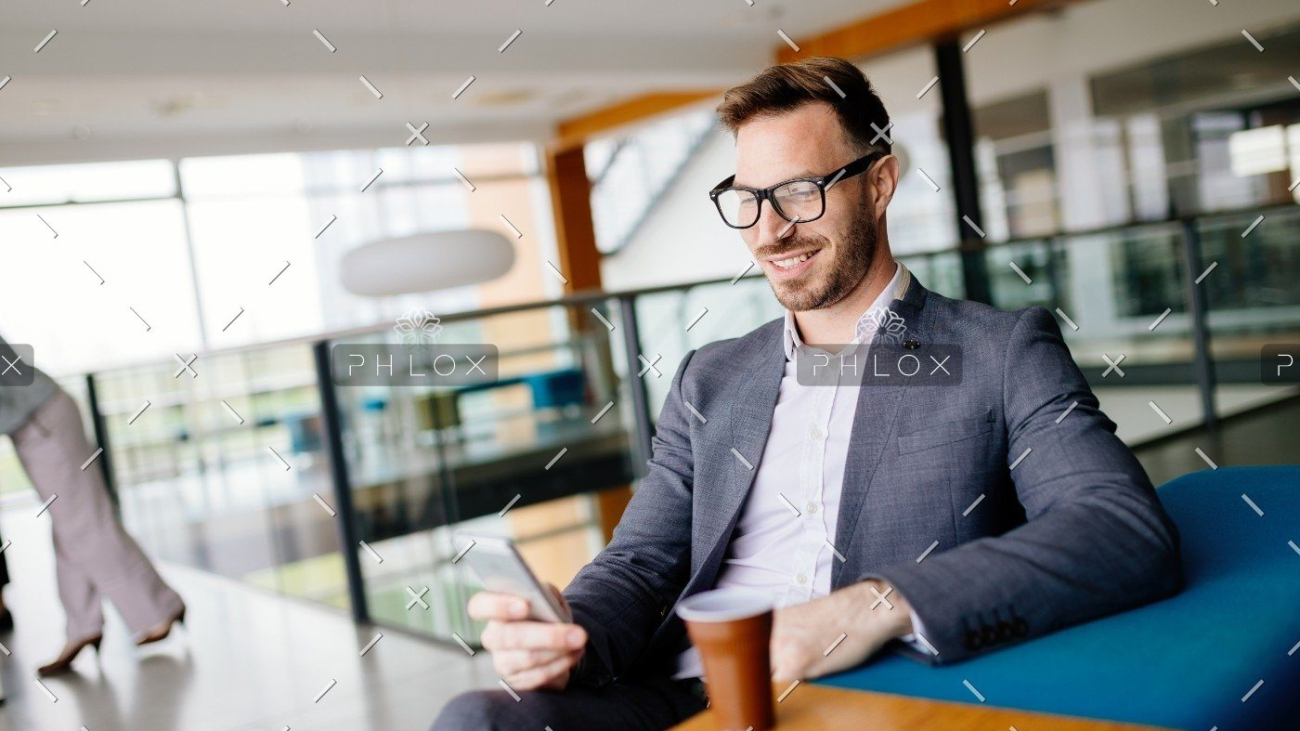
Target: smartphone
<point x="497" y="563"/>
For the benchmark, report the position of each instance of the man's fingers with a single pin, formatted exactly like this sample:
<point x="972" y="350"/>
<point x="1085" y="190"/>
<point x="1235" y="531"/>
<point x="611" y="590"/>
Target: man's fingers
<point x="543" y="674"/>
<point x="486" y="605"/>
<point x="533" y="636"/>
<point x="513" y="662"/>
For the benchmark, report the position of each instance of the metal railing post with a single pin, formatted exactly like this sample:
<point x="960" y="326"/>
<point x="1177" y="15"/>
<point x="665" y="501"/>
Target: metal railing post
<point x="346" y="518"/>
<point x="958" y="132"/>
<point x="100" y="430"/>
<point x="642" y="448"/>
<point x="1196" y="305"/>
<point x="1054" y="272"/>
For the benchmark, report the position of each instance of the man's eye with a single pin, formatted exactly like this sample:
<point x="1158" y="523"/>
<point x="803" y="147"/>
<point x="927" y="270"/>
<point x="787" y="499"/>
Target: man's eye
<point x="804" y="191"/>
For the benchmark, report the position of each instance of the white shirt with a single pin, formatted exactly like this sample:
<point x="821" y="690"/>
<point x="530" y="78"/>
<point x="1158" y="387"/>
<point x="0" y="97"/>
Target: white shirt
<point x="801" y="470"/>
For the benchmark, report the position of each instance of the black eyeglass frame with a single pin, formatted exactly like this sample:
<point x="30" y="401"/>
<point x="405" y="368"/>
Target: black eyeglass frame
<point x="860" y="165"/>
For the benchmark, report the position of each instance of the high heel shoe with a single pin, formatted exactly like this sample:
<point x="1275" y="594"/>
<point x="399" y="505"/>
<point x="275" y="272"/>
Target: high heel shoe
<point x="64" y="663"/>
<point x="160" y="631"/>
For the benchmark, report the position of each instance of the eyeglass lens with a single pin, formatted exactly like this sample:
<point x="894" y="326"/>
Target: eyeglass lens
<point x="797" y="200"/>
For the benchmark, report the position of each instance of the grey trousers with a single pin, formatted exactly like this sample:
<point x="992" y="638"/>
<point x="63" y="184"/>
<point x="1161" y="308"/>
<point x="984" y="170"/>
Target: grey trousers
<point x="94" y="557"/>
<point x="651" y="704"/>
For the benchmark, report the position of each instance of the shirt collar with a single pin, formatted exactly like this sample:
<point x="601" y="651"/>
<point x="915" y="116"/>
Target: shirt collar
<point x="865" y="328"/>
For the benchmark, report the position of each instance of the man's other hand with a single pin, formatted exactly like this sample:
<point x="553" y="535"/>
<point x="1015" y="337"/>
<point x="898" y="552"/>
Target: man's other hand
<point x="836" y="632"/>
<point x="527" y="655"/>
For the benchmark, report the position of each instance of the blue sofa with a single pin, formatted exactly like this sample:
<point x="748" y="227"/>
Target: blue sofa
<point x="1194" y="661"/>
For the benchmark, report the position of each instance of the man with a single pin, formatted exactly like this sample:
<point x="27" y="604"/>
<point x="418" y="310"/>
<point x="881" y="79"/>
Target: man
<point x="984" y="513"/>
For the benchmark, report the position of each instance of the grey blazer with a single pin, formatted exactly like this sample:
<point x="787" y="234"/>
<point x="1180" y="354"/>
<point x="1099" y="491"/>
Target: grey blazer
<point x="1074" y="532"/>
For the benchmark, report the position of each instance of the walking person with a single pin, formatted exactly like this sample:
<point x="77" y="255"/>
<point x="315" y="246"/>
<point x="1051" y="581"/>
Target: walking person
<point x="95" y="558"/>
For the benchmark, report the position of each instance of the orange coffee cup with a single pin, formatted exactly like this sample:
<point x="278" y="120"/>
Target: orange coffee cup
<point x="731" y="629"/>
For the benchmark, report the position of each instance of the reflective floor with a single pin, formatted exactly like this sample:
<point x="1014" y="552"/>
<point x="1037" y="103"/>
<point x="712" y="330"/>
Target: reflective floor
<point x="1262" y="437"/>
<point x="247" y="659"/>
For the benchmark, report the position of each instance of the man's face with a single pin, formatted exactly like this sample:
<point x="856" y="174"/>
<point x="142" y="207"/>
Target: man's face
<point x="839" y="246"/>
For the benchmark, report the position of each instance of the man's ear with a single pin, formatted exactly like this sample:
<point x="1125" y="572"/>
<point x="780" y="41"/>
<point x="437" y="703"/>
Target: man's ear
<point x="883" y="182"/>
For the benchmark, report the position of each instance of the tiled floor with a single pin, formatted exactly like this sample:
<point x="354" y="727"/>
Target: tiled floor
<point x="247" y="660"/>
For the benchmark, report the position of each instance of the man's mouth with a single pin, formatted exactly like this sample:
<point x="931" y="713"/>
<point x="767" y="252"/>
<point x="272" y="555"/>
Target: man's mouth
<point x="794" y="262"/>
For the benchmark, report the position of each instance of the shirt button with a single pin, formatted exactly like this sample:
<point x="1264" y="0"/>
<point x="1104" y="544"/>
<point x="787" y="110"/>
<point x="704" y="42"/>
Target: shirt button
<point x="801" y="578"/>
<point x="811" y="507"/>
<point x="817" y="432"/>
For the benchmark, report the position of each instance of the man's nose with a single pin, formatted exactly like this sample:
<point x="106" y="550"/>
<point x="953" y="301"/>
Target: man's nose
<point x="771" y="227"/>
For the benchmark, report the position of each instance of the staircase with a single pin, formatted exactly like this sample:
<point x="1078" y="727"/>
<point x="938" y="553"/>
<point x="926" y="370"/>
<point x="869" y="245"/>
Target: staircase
<point x="630" y="175"/>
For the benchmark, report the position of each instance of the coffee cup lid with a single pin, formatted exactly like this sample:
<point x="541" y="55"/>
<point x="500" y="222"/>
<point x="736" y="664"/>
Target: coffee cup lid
<point x="724" y="605"/>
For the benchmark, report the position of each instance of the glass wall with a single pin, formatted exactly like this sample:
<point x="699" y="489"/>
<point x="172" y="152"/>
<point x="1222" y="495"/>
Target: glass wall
<point x="213" y="252"/>
<point x="114" y="285"/>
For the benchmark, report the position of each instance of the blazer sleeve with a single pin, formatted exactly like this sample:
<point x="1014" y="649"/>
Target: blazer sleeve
<point x="622" y="595"/>
<point x="1096" y="540"/>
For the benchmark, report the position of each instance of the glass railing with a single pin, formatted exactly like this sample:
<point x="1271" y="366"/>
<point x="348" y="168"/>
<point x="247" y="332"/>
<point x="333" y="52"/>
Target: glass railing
<point x="1126" y="299"/>
<point x="1119" y="300"/>
<point x="1252" y="300"/>
<point x="263" y="469"/>
<point x="215" y="466"/>
<point x="527" y="455"/>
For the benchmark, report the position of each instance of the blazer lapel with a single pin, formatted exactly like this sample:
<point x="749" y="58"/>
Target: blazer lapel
<point x="751" y="420"/>
<point x="873" y="427"/>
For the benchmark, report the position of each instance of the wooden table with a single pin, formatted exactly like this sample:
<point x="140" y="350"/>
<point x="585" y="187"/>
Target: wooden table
<point x="811" y="707"/>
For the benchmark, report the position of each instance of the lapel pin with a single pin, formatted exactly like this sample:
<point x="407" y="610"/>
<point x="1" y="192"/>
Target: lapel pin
<point x="911" y="343"/>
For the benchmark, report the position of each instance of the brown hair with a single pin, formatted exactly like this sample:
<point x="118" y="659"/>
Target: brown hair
<point x="785" y="87"/>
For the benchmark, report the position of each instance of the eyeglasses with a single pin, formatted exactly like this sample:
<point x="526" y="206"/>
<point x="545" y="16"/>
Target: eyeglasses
<point x="799" y="200"/>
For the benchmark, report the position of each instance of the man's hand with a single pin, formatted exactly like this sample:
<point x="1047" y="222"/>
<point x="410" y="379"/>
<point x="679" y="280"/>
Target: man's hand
<point x="527" y="655"/>
<point x="803" y="635"/>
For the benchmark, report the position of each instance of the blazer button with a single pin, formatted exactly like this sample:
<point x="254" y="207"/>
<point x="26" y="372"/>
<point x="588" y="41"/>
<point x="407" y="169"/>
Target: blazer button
<point x="971" y="640"/>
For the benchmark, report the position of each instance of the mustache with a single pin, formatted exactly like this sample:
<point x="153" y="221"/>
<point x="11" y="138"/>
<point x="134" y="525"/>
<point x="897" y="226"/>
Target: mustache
<point x="795" y="245"/>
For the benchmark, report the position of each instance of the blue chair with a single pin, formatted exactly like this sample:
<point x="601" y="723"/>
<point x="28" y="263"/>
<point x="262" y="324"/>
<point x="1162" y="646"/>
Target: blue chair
<point x="1193" y="661"/>
<point x="306" y="433"/>
<point x="557" y="388"/>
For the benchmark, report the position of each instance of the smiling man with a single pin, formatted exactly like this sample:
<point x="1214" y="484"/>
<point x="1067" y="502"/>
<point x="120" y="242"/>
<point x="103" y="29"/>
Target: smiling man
<point x="985" y="510"/>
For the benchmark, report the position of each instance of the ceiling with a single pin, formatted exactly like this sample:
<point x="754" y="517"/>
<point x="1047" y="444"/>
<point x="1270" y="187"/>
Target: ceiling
<point x="146" y="78"/>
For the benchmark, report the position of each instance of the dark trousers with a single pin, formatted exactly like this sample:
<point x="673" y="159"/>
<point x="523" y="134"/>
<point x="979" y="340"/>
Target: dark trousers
<point x="646" y="704"/>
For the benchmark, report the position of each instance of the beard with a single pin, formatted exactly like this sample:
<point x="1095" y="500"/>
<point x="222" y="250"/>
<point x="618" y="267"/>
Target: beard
<point x="839" y="274"/>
